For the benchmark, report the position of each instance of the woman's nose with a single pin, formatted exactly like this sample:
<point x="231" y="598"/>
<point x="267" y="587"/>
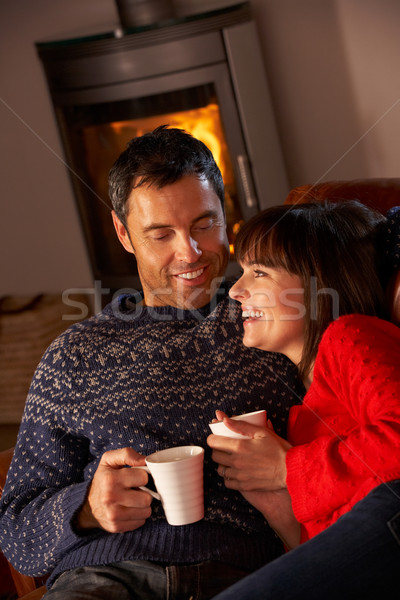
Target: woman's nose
<point x="187" y="249"/>
<point x="237" y="291"/>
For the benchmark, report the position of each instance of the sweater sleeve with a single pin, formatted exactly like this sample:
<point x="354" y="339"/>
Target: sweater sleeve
<point x="355" y="403"/>
<point x="45" y="483"/>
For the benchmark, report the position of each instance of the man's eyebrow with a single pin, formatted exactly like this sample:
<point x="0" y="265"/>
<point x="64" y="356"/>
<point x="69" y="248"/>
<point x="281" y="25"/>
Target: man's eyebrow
<point x="212" y="214"/>
<point x="155" y="226"/>
<point x="208" y="214"/>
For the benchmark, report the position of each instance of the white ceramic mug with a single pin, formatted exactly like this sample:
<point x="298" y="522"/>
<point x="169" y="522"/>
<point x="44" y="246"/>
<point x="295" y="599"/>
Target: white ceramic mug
<point x="258" y="418"/>
<point x="178" y="477"/>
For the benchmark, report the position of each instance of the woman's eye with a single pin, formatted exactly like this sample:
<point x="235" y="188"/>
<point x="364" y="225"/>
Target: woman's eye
<point x="258" y="273"/>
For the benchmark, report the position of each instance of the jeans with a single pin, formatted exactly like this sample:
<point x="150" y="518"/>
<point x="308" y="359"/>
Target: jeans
<point x="356" y="557"/>
<point x="142" y="580"/>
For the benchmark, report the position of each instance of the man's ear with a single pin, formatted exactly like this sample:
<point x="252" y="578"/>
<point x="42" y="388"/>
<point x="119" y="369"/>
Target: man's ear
<point x="122" y="233"/>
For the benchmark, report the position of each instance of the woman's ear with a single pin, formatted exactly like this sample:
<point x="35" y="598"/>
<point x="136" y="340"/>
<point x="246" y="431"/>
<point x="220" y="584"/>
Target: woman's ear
<point x="122" y="233"/>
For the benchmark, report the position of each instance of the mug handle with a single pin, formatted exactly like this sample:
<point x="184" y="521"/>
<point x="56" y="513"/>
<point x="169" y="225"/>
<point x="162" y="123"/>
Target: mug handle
<point x="142" y="487"/>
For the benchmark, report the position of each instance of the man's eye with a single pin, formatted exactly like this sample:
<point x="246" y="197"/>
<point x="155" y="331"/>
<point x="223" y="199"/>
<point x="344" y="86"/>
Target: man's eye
<point x="160" y="236"/>
<point x="203" y="225"/>
<point x="258" y="273"/>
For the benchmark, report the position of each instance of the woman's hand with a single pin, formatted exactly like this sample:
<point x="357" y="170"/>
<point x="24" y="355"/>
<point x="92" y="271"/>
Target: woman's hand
<point x="257" y="468"/>
<point x="276" y="507"/>
<point x="256" y="464"/>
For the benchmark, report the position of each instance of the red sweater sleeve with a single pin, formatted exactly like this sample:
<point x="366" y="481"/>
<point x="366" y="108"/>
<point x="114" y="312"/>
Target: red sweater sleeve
<point x="349" y="425"/>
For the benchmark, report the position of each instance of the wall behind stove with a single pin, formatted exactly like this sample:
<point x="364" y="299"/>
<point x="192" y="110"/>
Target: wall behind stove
<point x="335" y="84"/>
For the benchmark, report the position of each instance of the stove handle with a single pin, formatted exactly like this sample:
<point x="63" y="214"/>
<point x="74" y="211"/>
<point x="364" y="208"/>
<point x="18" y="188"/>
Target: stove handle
<point x="247" y="180"/>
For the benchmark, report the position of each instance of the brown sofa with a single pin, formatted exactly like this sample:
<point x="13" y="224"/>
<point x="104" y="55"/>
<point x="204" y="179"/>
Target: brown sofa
<point x="381" y="194"/>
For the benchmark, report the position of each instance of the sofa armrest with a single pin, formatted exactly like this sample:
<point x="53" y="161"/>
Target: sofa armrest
<point x="23" y="584"/>
<point x="5" y="460"/>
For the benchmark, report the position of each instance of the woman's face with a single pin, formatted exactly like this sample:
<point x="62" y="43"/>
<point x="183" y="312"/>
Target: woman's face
<point x="272" y="302"/>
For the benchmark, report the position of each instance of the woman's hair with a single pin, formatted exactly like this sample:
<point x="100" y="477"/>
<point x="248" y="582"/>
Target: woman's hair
<point x="332" y="248"/>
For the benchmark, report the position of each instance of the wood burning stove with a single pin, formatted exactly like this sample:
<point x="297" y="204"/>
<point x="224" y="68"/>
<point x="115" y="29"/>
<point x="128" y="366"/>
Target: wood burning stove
<point x="203" y="73"/>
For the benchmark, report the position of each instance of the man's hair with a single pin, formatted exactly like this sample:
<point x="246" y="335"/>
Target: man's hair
<point x="330" y="246"/>
<point x="161" y="158"/>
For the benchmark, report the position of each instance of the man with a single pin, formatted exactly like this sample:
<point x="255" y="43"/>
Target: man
<point x="143" y="375"/>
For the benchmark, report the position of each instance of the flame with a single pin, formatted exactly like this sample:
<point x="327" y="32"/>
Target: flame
<point x="203" y="123"/>
<point x="104" y="142"/>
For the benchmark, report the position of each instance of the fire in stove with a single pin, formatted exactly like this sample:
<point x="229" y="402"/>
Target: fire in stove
<point x="104" y="142"/>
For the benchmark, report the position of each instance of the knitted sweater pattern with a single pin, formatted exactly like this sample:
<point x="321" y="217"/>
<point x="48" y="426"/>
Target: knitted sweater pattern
<point x="347" y="432"/>
<point x="148" y="378"/>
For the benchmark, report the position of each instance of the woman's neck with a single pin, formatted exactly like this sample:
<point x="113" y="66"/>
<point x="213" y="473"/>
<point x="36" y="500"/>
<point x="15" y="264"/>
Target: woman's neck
<point x="307" y="380"/>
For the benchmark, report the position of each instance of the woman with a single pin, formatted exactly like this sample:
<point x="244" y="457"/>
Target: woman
<point x="310" y="289"/>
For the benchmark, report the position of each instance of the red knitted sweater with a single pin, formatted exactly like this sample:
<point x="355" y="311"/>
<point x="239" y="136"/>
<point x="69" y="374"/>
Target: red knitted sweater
<point x="347" y="432"/>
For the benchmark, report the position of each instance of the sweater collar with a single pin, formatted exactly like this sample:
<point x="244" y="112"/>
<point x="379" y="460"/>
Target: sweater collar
<point x="128" y="307"/>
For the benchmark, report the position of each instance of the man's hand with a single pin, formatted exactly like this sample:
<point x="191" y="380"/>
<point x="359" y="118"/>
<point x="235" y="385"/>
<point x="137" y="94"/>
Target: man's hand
<point x="113" y="502"/>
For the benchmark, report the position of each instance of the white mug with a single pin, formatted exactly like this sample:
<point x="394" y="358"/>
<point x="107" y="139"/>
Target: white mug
<point x="178" y="477"/>
<point x="258" y="418"/>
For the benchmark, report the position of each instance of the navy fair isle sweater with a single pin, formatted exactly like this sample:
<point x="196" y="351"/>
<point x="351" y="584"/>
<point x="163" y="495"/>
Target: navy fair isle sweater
<point x="148" y="378"/>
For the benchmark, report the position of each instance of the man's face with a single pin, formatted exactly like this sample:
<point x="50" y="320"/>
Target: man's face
<point x="178" y="234"/>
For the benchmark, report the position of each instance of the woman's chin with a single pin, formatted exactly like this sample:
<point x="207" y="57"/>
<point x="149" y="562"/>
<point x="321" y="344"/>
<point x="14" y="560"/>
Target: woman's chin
<point x="249" y="343"/>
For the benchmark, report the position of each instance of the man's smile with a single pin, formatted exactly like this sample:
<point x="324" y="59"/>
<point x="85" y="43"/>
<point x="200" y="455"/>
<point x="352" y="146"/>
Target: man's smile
<point x="191" y="274"/>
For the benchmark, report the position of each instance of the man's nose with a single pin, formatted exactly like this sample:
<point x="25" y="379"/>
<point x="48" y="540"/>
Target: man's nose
<point x="187" y="249"/>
